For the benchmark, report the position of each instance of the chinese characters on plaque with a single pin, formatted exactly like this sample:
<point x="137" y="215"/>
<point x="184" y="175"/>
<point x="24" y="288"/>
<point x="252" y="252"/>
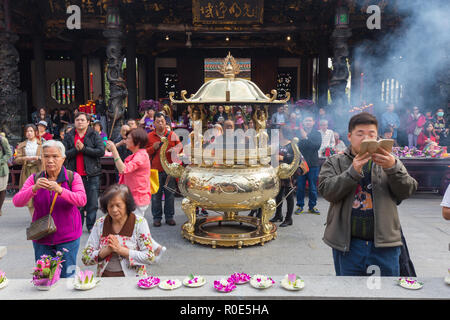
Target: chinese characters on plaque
<point x="227" y="11"/>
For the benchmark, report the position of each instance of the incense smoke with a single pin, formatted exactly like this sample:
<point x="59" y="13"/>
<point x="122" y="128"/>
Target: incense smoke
<point x="416" y="54"/>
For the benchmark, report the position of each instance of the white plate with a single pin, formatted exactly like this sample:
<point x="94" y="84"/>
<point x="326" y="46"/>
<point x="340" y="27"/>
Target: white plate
<point x="165" y="286"/>
<point x="447" y="279"/>
<point x="414" y="286"/>
<point x="142" y="287"/>
<point x="255" y="284"/>
<point x="285" y="284"/>
<point x="4" y="284"/>
<point x="46" y="288"/>
<point x="84" y="287"/>
<point x="201" y="281"/>
<point x="223" y="290"/>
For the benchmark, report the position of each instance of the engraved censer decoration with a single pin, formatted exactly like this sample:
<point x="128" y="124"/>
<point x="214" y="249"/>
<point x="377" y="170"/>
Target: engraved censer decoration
<point x="229" y="179"/>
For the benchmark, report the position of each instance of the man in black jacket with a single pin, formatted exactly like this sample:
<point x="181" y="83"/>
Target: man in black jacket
<point x="309" y="145"/>
<point x="84" y="148"/>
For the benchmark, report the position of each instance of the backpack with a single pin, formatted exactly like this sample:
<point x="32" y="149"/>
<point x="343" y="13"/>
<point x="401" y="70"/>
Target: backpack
<point x="69" y="175"/>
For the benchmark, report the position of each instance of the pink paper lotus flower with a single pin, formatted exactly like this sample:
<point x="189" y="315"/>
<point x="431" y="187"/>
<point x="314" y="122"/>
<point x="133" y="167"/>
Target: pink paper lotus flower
<point x="2" y="276"/>
<point x="292" y="277"/>
<point x="85" y="277"/>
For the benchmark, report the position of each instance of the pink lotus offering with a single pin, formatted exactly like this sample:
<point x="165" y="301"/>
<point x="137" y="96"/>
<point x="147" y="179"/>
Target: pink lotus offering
<point x="47" y="271"/>
<point x="170" y="284"/>
<point x="194" y="281"/>
<point x="85" y="277"/>
<point x="240" y="278"/>
<point x="148" y="283"/>
<point x="84" y="280"/>
<point x="292" y="282"/>
<point x="410" y="283"/>
<point x="261" y="282"/>
<point x="224" y="285"/>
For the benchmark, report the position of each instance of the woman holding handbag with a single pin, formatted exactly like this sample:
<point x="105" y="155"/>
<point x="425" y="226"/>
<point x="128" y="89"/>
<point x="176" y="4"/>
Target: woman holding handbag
<point x="57" y="193"/>
<point x="29" y="154"/>
<point x="134" y="172"/>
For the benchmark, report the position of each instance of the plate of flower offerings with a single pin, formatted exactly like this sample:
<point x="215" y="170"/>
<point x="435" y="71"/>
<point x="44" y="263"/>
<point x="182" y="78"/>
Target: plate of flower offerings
<point x="194" y="281"/>
<point x="148" y="283"/>
<point x="292" y="282"/>
<point x="3" y="280"/>
<point x="170" y="284"/>
<point x="47" y="272"/>
<point x="410" y="283"/>
<point x="240" y="278"/>
<point x="261" y="282"/>
<point x="84" y="280"/>
<point x="224" y="285"/>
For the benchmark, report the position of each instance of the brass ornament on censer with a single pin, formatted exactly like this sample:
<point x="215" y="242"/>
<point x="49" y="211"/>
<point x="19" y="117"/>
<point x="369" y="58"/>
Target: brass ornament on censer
<point x="244" y="182"/>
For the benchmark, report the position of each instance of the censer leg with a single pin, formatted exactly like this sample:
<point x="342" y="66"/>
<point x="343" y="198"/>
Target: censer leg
<point x="188" y="208"/>
<point x="268" y="210"/>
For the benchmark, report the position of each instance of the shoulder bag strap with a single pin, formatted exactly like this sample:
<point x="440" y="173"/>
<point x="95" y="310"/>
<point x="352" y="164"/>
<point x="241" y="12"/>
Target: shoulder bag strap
<point x="53" y="202"/>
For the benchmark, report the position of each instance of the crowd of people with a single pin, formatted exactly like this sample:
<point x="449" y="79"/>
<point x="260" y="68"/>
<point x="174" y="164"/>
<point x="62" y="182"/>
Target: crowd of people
<point x="60" y="160"/>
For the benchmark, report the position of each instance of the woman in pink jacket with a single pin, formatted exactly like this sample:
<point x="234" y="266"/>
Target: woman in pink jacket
<point x="135" y="173"/>
<point x="68" y="188"/>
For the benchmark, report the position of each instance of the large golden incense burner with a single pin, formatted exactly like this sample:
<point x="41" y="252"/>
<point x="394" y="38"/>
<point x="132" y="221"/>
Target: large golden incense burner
<point x="244" y="180"/>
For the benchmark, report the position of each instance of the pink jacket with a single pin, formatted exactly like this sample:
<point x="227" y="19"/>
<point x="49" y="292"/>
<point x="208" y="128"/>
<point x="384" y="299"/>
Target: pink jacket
<point x="65" y="212"/>
<point x="137" y="177"/>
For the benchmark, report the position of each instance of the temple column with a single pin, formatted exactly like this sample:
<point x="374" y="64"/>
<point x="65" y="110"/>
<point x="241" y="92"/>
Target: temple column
<point x="323" y="73"/>
<point x="10" y="95"/>
<point x="118" y="90"/>
<point x="340" y="74"/>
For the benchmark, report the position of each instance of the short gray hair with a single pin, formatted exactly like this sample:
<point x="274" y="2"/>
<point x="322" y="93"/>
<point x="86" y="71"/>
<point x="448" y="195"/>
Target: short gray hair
<point x="55" y="144"/>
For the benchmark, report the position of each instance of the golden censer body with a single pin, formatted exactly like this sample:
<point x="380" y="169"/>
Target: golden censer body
<point x="241" y="182"/>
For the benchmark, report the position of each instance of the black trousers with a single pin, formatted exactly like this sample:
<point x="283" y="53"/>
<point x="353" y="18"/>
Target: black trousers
<point x="284" y="190"/>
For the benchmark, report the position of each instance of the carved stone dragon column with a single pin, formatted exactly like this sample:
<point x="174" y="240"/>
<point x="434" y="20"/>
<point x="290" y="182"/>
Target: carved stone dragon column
<point x="340" y="74"/>
<point x="117" y="85"/>
<point x="10" y="95"/>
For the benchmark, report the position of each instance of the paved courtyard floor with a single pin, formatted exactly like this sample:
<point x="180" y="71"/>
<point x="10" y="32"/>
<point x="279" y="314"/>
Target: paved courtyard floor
<point x="298" y="249"/>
